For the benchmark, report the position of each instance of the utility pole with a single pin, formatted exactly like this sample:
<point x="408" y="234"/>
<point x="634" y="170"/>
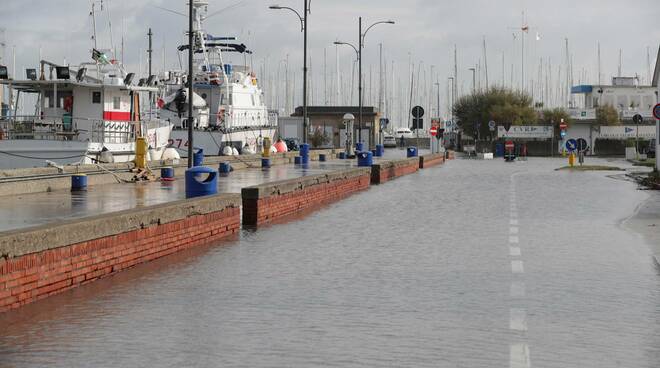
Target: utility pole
<point x="360" y="80"/>
<point x="191" y="44"/>
<point x="305" y="72"/>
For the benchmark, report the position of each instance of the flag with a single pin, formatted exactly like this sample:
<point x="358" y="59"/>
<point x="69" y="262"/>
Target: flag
<point x="525" y="28"/>
<point x="100" y="57"/>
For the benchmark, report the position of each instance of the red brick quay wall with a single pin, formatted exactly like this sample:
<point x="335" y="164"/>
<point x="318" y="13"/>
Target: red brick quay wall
<point x="432" y="159"/>
<point x="45" y="260"/>
<point x="388" y="170"/>
<point x="267" y="202"/>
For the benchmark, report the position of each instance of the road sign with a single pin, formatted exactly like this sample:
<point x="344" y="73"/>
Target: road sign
<point x="384" y="122"/>
<point x="491" y="125"/>
<point x="509" y="145"/>
<point x="571" y="145"/>
<point x="638" y="119"/>
<point x="581" y="145"/>
<point x="507" y="126"/>
<point x="417" y="112"/>
<point x="656" y="111"/>
<point x="433" y="131"/>
<point x="563" y="126"/>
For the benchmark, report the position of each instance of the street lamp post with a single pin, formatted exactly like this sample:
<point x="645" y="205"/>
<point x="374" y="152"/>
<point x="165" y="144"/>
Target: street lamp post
<point x="303" y="28"/>
<point x="473" y="70"/>
<point x="358" y="50"/>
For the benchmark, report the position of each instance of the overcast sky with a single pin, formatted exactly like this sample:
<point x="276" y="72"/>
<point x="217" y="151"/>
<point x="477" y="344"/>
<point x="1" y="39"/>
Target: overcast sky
<point x="425" y="32"/>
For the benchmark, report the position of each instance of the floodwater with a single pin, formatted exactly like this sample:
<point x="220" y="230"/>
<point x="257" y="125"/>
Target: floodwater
<point x="472" y="264"/>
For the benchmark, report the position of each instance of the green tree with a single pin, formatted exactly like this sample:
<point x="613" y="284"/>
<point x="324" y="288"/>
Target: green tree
<point x="319" y="138"/>
<point x="499" y="104"/>
<point x="607" y="115"/>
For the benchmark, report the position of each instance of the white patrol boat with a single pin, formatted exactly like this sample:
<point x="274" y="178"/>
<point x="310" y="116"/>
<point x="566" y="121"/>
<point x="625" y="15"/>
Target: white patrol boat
<point x="230" y="116"/>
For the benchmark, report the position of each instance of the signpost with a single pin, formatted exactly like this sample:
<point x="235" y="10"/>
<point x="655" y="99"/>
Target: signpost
<point x="418" y="123"/>
<point x="581" y="144"/>
<point x="637" y="119"/>
<point x="571" y="145"/>
<point x="656" y="114"/>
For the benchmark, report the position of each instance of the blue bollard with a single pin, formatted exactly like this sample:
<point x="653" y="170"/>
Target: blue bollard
<point x="411" y="151"/>
<point x="380" y="150"/>
<point x="342" y="155"/>
<point x="225" y="168"/>
<point x="297" y="160"/>
<point x="322" y="157"/>
<point x="359" y="147"/>
<point x="166" y="173"/>
<point x="499" y="150"/>
<point x="78" y="182"/>
<point x="198" y="157"/>
<point x="197" y="188"/>
<point x="265" y="162"/>
<point x="365" y="159"/>
<point x="304" y="160"/>
<point x="304" y="150"/>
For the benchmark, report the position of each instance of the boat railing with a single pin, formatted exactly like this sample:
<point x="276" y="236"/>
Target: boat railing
<point x="67" y="128"/>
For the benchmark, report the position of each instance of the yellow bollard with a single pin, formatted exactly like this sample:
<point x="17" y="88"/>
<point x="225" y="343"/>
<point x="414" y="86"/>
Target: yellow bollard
<point x="571" y="159"/>
<point x="141" y="147"/>
<point x="266" y="152"/>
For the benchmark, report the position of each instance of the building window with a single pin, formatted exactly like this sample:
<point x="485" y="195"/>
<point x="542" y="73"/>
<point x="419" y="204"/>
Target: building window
<point x="96" y="97"/>
<point x="116" y="103"/>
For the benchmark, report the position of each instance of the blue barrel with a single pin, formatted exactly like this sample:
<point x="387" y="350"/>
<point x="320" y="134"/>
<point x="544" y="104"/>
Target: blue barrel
<point x="228" y="69"/>
<point x="304" y="149"/>
<point x="265" y="162"/>
<point x="322" y="157"/>
<point x="198" y="157"/>
<point x="380" y="150"/>
<point x="167" y="173"/>
<point x="411" y="151"/>
<point x="297" y="160"/>
<point x="78" y="182"/>
<point x="225" y="168"/>
<point x="197" y="188"/>
<point x="359" y="147"/>
<point x="499" y="150"/>
<point x="365" y="158"/>
<point x="342" y="155"/>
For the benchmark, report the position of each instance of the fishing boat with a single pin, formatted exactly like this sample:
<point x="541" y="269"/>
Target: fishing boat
<point x="229" y="113"/>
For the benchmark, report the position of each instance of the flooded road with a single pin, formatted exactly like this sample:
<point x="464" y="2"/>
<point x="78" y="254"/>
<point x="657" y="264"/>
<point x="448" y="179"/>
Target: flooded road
<point x="472" y="264"/>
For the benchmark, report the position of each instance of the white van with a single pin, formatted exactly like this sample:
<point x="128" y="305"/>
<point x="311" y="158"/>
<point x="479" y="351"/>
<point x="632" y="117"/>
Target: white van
<point x="405" y="132"/>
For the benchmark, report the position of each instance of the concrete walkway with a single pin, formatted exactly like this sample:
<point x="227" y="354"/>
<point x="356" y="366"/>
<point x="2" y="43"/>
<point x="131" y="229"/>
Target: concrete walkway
<point x="28" y="210"/>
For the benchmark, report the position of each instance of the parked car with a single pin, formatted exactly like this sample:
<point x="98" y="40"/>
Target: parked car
<point x="292" y="144"/>
<point x="405" y="132"/>
<point x="389" y="141"/>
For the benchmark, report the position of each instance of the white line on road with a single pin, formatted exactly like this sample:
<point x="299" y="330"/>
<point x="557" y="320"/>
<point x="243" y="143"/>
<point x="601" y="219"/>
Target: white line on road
<point x="514" y="251"/>
<point x="513" y="214"/>
<point x="517" y="266"/>
<point x="513" y="222"/>
<point x="517" y="289"/>
<point x="519" y="356"/>
<point x="513" y="239"/>
<point x="513" y="230"/>
<point x="518" y="321"/>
